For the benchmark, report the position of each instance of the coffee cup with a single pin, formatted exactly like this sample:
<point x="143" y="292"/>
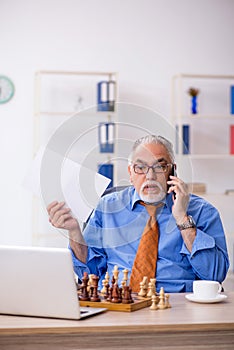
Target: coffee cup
<point x="206" y="289"/>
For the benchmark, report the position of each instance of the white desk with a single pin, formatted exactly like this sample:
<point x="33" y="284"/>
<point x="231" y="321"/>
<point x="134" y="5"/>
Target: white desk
<point x="186" y="325"/>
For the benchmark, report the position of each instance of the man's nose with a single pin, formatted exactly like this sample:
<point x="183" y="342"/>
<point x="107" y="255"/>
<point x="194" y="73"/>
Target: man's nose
<point x="151" y="174"/>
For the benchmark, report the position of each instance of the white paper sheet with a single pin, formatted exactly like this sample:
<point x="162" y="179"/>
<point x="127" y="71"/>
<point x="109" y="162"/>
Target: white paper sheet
<point x="80" y="186"/>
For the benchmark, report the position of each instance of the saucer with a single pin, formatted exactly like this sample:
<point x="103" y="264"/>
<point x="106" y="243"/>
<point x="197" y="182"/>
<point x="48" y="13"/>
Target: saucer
<point x="217" y="299"/>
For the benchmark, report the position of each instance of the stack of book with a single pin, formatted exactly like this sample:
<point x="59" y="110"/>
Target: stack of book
<point x="197" y="187"/>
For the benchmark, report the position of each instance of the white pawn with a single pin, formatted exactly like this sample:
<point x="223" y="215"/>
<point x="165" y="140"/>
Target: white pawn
<point x="161" y="304"/>
<point x="154" y="305"/>
<point x="142" y="290"/>
<point x="143" y="287"/>
<point x="150" y="290"/>
<point x="104" y="282"/>
<point x="168" y="305"/>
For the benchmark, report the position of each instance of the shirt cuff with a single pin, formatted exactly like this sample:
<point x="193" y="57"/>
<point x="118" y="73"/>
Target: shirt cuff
<point x="202" y="241"/>
<point x="79" y="266"/>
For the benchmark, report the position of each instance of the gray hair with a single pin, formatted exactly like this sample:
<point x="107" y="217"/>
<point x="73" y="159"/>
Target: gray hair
<point x="157" y="139"/>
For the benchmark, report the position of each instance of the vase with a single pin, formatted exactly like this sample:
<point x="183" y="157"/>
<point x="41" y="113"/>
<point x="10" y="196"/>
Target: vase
<point x="194" y="105"/>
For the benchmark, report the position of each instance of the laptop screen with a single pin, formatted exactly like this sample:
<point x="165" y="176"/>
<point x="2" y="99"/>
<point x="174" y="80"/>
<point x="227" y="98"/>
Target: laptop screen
<point x="38" y="281"/>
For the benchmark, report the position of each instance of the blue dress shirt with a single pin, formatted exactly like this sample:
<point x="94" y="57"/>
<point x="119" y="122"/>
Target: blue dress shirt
<point x="114" y="231"/>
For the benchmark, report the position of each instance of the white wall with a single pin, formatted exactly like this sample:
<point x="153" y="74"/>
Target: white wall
<point x="145" y="41"/>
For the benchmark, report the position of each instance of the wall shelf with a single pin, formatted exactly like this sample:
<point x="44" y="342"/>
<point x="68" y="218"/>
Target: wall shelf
<point x="208" y="156"/>
<point x="209" y="161"/>
<point x="56" y="96"/>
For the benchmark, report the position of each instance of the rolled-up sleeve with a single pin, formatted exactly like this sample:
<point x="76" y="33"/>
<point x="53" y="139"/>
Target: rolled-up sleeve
<point x="78" y="266"/>
<point x="209" y="256"/>
<point x="96" y="263"/>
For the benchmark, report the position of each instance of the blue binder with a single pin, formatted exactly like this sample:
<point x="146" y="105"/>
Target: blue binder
<point x="106" y="96"/>
<point x="108" y="171"/>
<point x="106" y="137"/>
<point x="232" y="99"/>
<point x="186" y="139"/>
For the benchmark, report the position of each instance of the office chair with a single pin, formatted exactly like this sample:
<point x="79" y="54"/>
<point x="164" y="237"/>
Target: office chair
<point x="107" y="191"/>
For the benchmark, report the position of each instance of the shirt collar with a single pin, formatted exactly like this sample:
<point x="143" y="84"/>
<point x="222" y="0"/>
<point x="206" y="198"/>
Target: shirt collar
<point x="136" y="198"/>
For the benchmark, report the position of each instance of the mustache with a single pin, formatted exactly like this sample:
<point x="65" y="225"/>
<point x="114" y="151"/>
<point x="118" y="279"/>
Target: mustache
<point x="151" y="183"/>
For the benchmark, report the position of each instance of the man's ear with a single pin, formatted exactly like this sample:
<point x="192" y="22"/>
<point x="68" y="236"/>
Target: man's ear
<point x="130" y="172"/>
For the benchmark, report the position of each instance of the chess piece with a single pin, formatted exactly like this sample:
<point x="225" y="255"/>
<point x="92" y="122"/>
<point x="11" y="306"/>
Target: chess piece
<point x="150" y="290"/>
<point x="115" y="294"/>
<point x="110" y="294"/>
<point x="107" y="277"/>
<point x="90" y="282"/>
<point x="84" y="296"/>
<point x="106" y="294"/>
<point x="161" y="304"/>
<point x="103" y="290"/>
<point x="105" y="281"/>
<point x="142" y="290"/>
<point x="154" y="305"/>
<point x="168" y="305"/>
<point x="153" y="282"/>
<point x="125" y="276"/>
<point x="127" y="297"/>
<point x="143" y="287"/>
<point x="130" y="294"/>
<point x="145" y="281"/>
<point x="90" y="291"/>
<point x="95" y="296"/>
<point x="116" y="273"/>
<point x="124" y="281"/>
<point x="120" y="294"/>
<point x="113" y="281"/>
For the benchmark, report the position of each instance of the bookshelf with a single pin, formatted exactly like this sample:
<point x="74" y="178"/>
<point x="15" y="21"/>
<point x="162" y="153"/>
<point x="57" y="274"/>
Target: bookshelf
<point x="209" y="129"/>
<point x="209" y="160"/>
<point x="66" y="106"/>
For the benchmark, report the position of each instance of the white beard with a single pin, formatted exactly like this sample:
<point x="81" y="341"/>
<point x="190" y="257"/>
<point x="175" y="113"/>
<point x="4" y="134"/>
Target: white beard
<point x="157" y="194"/>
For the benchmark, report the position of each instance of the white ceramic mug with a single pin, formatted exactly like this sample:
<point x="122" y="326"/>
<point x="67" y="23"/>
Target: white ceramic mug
<point x="206" y="289"/>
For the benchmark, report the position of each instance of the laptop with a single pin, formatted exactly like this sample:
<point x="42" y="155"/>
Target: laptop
<point x="38" y="281"/>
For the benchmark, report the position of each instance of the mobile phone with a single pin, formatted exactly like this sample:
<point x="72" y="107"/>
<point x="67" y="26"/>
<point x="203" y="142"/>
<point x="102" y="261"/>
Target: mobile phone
<point x="173" y="173"/>
<point x="173" y="170"/>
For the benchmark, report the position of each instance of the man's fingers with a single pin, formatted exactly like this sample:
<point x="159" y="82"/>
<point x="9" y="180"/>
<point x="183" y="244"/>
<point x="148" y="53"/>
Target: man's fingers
<point x="60" y="221"/>
<point x="51" y="205"/>
<point x="54" y="208"/>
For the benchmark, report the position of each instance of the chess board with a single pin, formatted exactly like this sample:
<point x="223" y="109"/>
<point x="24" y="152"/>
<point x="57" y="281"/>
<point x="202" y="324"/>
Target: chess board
<point x="122" y="298"/>
<point x="139" y="303"/>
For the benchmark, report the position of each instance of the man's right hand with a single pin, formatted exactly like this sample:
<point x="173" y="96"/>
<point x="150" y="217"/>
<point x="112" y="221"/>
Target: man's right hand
<point x="61" y="217"/>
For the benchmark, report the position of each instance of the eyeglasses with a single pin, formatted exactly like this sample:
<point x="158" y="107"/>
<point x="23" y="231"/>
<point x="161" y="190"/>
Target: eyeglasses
<point x="157" y="168"/>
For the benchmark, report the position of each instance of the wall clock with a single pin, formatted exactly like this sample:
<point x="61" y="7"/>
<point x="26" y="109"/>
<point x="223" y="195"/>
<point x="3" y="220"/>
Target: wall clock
<point x="7" y="89"/>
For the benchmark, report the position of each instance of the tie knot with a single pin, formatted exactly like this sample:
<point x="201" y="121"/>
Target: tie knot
<point x="151" y="208"/>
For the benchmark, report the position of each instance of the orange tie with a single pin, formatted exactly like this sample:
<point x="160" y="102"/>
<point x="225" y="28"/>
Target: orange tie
<point x="146" y="256"/>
